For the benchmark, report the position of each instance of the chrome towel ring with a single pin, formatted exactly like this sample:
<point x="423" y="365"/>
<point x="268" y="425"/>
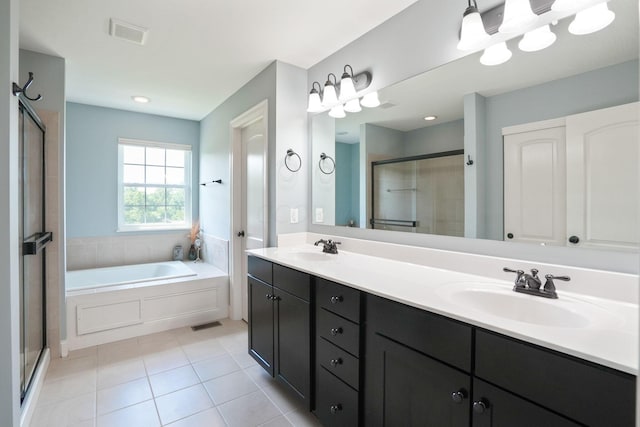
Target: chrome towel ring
<point x="323" y="156"/>
<point x="290" y="153"/>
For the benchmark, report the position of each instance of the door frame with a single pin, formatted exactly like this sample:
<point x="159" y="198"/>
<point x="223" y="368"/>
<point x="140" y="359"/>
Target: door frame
<point x="255" y="113"/>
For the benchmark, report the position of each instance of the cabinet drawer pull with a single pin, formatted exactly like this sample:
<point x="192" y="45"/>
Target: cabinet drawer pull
<point x="335" y="408"/>
<point x="458" y="396"/>
<point x="336" y="299"/>
<point x="336" y="331"/>
<point x="335" y="362"/>
<point x="480" y="406"/>
<point x="269" y="296"/>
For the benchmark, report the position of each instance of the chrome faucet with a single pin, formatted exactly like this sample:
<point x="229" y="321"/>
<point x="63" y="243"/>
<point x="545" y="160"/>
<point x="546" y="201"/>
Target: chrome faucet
<point x="530" y="283"/>
<point x="328" y="246"/>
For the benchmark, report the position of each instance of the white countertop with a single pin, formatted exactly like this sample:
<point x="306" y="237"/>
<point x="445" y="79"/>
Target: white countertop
<point x="613" y="343"/>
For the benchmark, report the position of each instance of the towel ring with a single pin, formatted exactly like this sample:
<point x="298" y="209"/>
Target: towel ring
<point x="323" y="156"/>
<point x="290" y="153"/>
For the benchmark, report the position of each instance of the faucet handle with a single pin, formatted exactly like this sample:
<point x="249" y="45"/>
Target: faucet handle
<point x="550" y="287"/>
<point x="519" y="282"/>
<point x="551" y="277"/>
<point x="509" y="270"/>
<point x="534" y="273"/>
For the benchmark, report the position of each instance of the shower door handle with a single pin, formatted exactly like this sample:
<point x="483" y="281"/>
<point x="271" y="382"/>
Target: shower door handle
<point x="36" y="243"/>
<point x="241" y="233"/>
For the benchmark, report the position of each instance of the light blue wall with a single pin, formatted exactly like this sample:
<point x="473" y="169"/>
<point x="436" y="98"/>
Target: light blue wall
<point x="606" y="87"/>
<point x="434" y="139"/>
<point x="92" y="161"/>
<point x="347" y="183"/>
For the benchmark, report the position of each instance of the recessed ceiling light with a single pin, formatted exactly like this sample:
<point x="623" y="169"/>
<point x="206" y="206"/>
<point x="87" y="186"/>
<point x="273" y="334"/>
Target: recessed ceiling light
<point x="141" y="99"/>
<point x="430" y="118"/>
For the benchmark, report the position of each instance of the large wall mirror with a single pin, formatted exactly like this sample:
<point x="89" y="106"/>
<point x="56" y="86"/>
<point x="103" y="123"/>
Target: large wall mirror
<point x="450" y="176"/>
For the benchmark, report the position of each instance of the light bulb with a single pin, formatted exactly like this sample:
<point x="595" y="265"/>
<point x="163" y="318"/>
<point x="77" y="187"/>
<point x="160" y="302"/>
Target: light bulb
<point x="517" y="15"/>
<point x="592" y="19"/>
<point x="337" y="112"/>
<point x="472" y="34"/>
<point x="370" y="100"/>
<point x="353" y="106"/>
<point x="537" y="39"/>
<point x="495" y="55"/>
<point x="315" y="105"/>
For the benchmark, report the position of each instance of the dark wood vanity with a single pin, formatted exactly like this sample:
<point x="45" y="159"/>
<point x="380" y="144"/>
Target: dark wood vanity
<point x="356" y="359"/>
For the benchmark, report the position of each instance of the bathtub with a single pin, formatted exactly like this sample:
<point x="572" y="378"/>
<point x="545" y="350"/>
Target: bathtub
<point x="115" y="303"/>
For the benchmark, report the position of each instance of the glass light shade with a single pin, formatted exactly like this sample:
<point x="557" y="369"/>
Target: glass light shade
<point x="495" y="55"/>
<point x="537" y="39"/>
<point x="370" y="100"/>
<point x="337" y="112"/>
<point x="591" y="20"/>
<point x="347" y="89"/>
<point x="353" y="106"/>
<point x="517" y="15"/>
<point x="472" y="34"/>
<point x="315" y="105"/>
<point x="329" y="97"/>
<point x="567" y="5"/>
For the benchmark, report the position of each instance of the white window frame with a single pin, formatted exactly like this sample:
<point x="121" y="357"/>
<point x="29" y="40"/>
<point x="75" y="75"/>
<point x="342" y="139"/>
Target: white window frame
<point x="188" y="182"/>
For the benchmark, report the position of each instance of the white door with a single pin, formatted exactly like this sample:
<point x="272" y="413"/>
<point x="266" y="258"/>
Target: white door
<point x="253" y="196"/>
<point x="534" y="186"/>
<point x="602" y="178"/>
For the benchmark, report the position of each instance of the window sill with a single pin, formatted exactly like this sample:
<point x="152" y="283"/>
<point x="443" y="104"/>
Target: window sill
<point x="138" y="229"/>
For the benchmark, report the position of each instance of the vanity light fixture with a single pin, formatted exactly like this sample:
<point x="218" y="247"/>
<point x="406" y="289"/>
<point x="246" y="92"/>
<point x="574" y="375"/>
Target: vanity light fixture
<point x="497" y="54"/>
<point x="370" y="100"/>
<point x="337" y="112"/>
<point x="592" y="19"/>
<point x="537" y="39"/>
<point x="353" y="106"/>
<point x="329" y="96"/>
<point x="517" y="15"/>
<point x="141" y="99"/>
<point x="472" y="34"/>
<point x="347" y="88"/>
<point x="315" y="104"/>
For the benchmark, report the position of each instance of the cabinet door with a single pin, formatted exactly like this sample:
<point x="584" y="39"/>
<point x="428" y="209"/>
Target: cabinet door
<point x="602" y="178"/>
<point x="405" y="388"/>
<point x="293" y="348"/>
<point x="534" y="186"/>
<point x="261" y="329"/>
<point x="493" y="407"/>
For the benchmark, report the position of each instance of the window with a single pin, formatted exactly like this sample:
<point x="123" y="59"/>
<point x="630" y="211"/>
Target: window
<point x="154" y="185"/>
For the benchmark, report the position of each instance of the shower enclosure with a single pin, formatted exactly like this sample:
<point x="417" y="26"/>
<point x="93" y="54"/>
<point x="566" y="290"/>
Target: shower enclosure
<point x="33" y="240"/>
<point x="421" y="194"/>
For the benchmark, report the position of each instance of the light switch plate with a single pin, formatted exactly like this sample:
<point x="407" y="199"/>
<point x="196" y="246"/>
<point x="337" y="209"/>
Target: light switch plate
<point x="319" y="215"/>
<point x="293" y="213"/>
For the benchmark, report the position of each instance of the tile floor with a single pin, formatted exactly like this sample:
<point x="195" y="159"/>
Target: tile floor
<point x="178" y="378"/>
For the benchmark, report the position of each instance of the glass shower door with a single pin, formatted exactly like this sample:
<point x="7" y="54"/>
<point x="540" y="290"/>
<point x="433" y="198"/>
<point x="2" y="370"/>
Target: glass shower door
<point x="33" y="240"/>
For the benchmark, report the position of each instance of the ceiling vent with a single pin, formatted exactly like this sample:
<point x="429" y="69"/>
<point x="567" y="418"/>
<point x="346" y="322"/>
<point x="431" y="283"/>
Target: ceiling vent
<point x="129" y="32"/>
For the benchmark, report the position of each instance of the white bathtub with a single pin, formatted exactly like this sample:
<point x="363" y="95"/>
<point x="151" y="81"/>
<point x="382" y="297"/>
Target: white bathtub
<point x="122" y="275"/>
<point x="114" y="303"/>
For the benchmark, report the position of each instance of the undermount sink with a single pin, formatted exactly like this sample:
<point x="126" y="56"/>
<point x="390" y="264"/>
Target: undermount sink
<point x="501" y="301"/>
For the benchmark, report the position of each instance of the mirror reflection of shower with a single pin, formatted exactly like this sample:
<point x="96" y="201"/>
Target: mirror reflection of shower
<point x="422" y="194"/>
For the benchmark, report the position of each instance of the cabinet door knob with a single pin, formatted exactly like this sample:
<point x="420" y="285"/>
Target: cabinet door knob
<point x="336" y="331"/>
<point x="335" y="408"/>
<point x="574" y="239"/>
<point x="458" y="396"/>
<point x="510" y="235"/>
<point x="336" y="299"/>
<point x="480" y="406"/>
<point x="335" y="362"/>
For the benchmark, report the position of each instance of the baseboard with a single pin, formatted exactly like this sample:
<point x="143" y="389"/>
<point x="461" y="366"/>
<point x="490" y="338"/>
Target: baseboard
<point x="64" y="348"/>
<point x="31" y="399"/>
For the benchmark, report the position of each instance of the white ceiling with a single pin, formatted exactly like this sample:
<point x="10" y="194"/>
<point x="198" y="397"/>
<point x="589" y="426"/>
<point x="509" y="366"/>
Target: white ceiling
<point x="198" y="53"/>
<point x="440" y="91"/>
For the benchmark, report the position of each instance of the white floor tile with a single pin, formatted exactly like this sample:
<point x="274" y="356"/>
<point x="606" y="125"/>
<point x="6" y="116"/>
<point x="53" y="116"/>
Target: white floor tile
<point x="282" y="398"/>
<point x="119" y="373"/>
<point x="173" y="380"/>
<point x="67" y="387"/>
<point x="280" y="421"/>
<point x="123" y="395"/>
<point x="303" y="419"/>
<point x="248" y="411"/>
<point x="142" y="414"/>
<point x="229" y="387"/>
<point x="59" y="368"/>
<point x="183" y="403"/>
<point x="66" y="413"/>
<point x="215" y="367"/>
<point x="209" y="418"/>
<point x="165" y="360"/>
<point x="202" y="350"/>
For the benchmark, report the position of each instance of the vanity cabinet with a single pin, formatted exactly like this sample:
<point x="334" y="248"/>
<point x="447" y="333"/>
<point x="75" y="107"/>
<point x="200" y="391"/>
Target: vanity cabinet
<point x="338" y="348"/>
<point x="280" y="324"/>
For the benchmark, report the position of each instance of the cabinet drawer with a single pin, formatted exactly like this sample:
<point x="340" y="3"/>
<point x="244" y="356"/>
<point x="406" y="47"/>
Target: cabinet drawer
<point x="587" y="393"/>
<point x="338" y="362"/>
<point x="293" y="281"/>
<point x="339" y="331"/>
<point x="338" y="299"/>
<point x="336" y="403"/>
<point x="260" y="269"/>
<point x="436" y="336"/>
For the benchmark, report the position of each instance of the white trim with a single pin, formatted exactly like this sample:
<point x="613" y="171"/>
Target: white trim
<point x="31" y="399"/>
<point x="156" y="144"/>
<point x="261" y="110"/>
<point x="529" y="127"/>
<point x="64" y="348"/>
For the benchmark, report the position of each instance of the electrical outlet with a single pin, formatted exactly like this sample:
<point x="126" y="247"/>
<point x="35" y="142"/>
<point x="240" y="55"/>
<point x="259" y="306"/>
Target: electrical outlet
<point x="294" y="215"/>
<point x="319" y="215"/>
